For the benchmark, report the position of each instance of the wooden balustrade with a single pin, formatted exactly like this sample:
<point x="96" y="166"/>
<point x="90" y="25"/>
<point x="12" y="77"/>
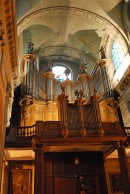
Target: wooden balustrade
<point x="27" y="131"/>
<point x="53" y="129"/>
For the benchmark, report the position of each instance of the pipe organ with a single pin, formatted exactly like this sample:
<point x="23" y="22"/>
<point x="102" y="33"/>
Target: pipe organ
<point x="79" y="105"/>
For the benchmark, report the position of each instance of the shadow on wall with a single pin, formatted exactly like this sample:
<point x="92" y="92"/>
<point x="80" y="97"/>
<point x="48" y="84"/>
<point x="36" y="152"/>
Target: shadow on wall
<point x="16" y="110"/>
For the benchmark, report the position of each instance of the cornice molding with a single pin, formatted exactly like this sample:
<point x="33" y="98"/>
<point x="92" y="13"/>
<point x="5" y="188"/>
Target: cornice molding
<point x="9" y="23"/>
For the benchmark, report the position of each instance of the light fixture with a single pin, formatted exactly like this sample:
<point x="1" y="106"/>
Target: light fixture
<point x="76" y="160"/>
<point x="5" y="162"/>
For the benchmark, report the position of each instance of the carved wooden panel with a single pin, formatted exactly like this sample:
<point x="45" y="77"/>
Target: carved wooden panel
<point x="65" y="175"/>
<point x="49" y="185"/>
<point x="48" y="168"/>
<point x="69" y="168"/>
<point x="58" y="167"/>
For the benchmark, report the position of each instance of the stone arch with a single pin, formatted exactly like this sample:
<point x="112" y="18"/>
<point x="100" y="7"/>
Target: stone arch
<point x="36" y="16"/>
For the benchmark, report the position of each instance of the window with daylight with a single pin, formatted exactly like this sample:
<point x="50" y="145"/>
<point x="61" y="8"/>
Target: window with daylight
<point x="117" y="55"/>
<point x="62" y="73"/>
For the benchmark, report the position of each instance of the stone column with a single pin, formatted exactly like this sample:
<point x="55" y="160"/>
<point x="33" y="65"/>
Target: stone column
<point x="124" y="168"/>
<point x="39" y="169"/>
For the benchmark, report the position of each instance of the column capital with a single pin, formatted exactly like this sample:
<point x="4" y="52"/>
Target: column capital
<point x="38" y="145"/>
<point x="120" y="144"/>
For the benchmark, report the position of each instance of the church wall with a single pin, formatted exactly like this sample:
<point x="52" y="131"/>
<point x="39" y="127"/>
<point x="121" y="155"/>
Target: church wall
<point x="123" y="88"/>
<point x="125" y="107"/>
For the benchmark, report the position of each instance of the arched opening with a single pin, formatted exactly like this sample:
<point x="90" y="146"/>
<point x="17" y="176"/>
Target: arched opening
<point x="62" y="72"/>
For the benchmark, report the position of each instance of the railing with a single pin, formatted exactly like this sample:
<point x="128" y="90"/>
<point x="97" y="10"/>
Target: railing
<point x="18" y="131"/>
<point x="53" y="129"/>
<point x="127" y="130"/>
<point x="28" y="131"/>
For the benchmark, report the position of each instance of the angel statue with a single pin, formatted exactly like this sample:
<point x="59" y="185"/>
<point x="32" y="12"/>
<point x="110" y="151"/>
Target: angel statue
<point x="50" y="65"/>
<point x="30" y="46"/>
<point x="102" y="53"/>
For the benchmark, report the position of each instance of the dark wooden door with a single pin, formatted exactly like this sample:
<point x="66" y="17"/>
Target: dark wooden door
<point x="65" y="185"/>
<point x="62" y="176"/>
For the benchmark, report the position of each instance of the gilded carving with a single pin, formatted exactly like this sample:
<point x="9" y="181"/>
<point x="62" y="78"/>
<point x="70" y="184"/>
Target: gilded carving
<point x="112" y="102"/>
<point x="120" y="144"/>
<point x="50" y="108"/>
<point x="101" y="132"/>
<point x="26" y="104"/>
<point x="83" y="132"/>
<point x="65" y="133"/>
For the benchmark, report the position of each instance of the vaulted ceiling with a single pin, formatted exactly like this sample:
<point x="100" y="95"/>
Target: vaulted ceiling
<point x="69" y="31"/>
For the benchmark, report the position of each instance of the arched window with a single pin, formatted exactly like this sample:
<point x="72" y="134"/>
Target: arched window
<point x="62" y="73"/>
<point x="121" y="59"/>
<point x="117" y="55"/>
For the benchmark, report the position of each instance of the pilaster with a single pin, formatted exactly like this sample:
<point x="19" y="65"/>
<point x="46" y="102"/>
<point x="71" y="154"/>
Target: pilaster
<point x="123" y="162"/>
